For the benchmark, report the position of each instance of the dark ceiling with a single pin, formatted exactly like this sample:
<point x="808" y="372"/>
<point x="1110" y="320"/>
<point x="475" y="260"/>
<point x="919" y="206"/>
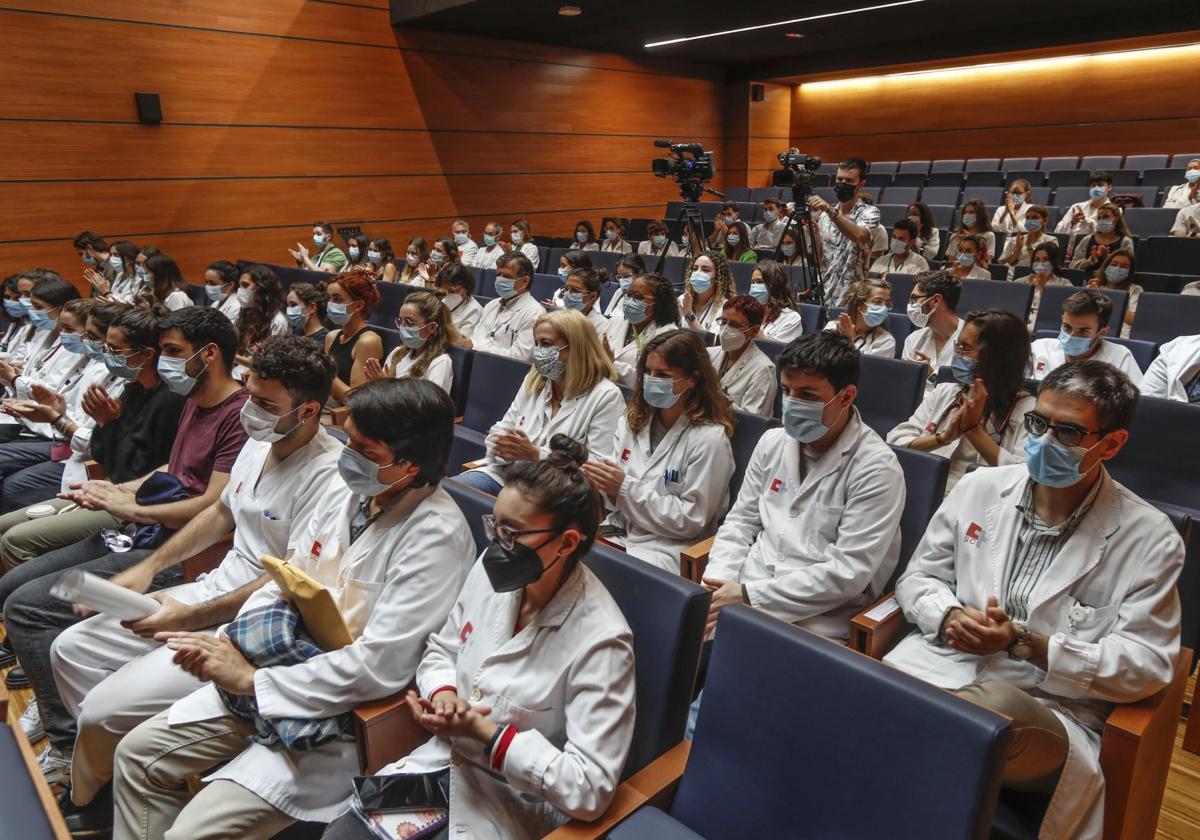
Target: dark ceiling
<point x="933" y="29"/>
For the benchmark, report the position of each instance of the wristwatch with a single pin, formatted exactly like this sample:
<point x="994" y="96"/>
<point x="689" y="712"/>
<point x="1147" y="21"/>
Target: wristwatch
<point x="834" y="211"/>
<point x="1022" y="648"/>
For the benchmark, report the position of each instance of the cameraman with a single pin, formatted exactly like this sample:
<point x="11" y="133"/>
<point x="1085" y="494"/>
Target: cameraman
<point x="845" y="229"/>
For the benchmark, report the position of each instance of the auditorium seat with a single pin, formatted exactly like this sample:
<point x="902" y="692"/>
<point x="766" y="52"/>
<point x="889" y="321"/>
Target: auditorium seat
<point x="461" y="361"/>
<point x="748" y="210"/>
<point x="1049" y="315"/>
<point x="493" y="385"/>
<point x="1142" y="162"/>
<point x="1018" y="163"/>
<point x="899" y="326"/>
<point x="982" y="165"/>
<point x="27" y="804"/>
<point x="1155" y="462"/>
<point x="920" y="166"/>
<point x="1040" y="195"/>
<point x="1149" y="195"/>
<point x="889" y="213"/>
<point x="827" y="194"/>
<point x="1066" y="196"/>
<point x="1048" y="163"/>
<point x="1180" y="160"/>
<point x="389" y="338"/>
<point x="991" y="294"/>
<point x="747" y="430"/>
<point x="889" y="391"/>
<point x="672" y="269"/>
<point x="1162" y="177"/>
<point x="976" y="180"/>
<point x="811" y="317"/>
<point x="1169" y="255"/>
<point x="944" y="179"/>
<point x="900" y="195"/>
<point x="197" y="295"/>
<point x="939" y="195"/>
<point x="943" y="216"/>
<point x="909" y="179"/>
<point x="761" y="194"/>
<point x="745" y="779"/>
<point x="1035" y="177"/>
<point x="878" y="179"/>
<point x="474" y="504"/>
<point x="872" y="193"/>
<point x="1124" y="178"/>
<point x="947" y="166"/>
<point x="1093" y="162"/>
<point x="552" y="259"/>
<point x="991" y="196"/>
<point x="925" y="477"/>
<point x="1163" y="317"/>
<point x="391" y="298"/>
<point x="1149" y="220"/>
<point x="737" y="193"/>
<point x="877" y="166"/>
<point x="741" y="272"/>
<point x="1056" y="178"/>
<point x="901" y="290"/>
<point x="544" y="286"/>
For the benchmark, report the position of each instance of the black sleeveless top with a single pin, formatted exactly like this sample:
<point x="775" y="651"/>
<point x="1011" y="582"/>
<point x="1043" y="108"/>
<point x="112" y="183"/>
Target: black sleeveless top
<point x="343" y="353"/>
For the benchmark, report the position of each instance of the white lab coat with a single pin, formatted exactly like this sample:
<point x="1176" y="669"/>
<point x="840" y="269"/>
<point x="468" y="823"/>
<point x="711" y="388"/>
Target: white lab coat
<point x="674" y="249"/>
<point x="1026" y="255"/>
<point x="625" y="356"/>
<point x="467" y="251"/>
<point x="484" y="257"/>
<point x="440" y="371"/>
<point x="177" y="300"/>
<point x="922" y="341"/>
<point x="1089" y="217"/>
<point x="989" y="240"/>
<point x="814" y="549"/>
<point x="506" y="327"/>
<point x="1122" y="651"/>
<point x="1180" y="196"/>
<point x="933" y="415"/>
<point x="673" y="497"/>
<point x="1169" y="375"/>
<point x="766" y="236"/>
<point x="913" y="263"/>
<point x="531" y="253"/>
<point x="707" y="315"/>
<point x="787" y="325"/>
<point x="1187" y="220"/>
<point x="588" y="246"/>
<point x="590" y="417"/>
<point x="229" y="307"/>
<point x="618" y="246"/>
<point x="93" y="373"/>
<point x="929" y="247"/>
<point x="1047" y="354"/>
<point x="51" y="366"/>
<point x="877" y="341"/>
<point x="565" y="682"/>
<point x="394" y="586"/>
<point x="1002" y="222"/>
<point x="750" y="382"/>
<point x="466" y="316"/>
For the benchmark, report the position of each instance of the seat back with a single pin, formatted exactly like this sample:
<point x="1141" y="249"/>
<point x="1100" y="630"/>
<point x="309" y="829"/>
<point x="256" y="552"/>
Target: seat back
<point x="989" y="195"/>
<point x="1157" y="461"/>
<point x="979" y="180"/>
<point x="900" y="327"/>
<point x="667" y="615"/>
<point x="925" y="477"/>
<point x="811" y="317"/>
<point x="1049" y="315"/>
<point x="1189" y="580"/>
<point x="1035" y="177"/>
<point x="761" y="194"/>
<point x="25" y="806"/>
<point x="494" y="383"/>
<point x="197" y="295"/>
<point x="461" y="360"/>
<point x="474" y="504"/>
<point x="1066" y="177"/>
<point x="1150" y="221"/>
<point x="889" y="391"/>
<point x="995" y="294"/>
<point x="921" y="166"/>
<point x="1169" y="255"/>
<point x="1094" y="162"/>
<point x="746" y="433"/>
<point x="982" y="165"/>
<point x="902" y="285"/>
<point x="947" y="166"/>
<point x="737" y="193"/>
<point x="1162" y="177"/>
<point x="391" y="298"/>
<point x="888" y="166"/>
<point x="900" y="195"/>
<point x="939" y="195"/>
<point x="1181" y="159"/>
<point x="740" y="272"/>
<point x="1011" y="164"/>
<point x="1146" y="162"/>
<point x="1162" y="317"/>
<point x="842" y="764"/>
<point x="1049" y="163"/>
<point x="544" y="286"/>
<point x="389" y="338"/>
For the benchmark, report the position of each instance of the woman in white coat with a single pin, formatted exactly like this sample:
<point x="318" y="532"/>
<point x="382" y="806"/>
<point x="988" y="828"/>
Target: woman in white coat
<point x="707" y="287"/>
<point x="1187" y="193"/>
<point x="455" y="285"/>
<point x="426" y="334"/>
<point x="529" y="687"/>
<point x="614" y="236"/>
<point x="978" y="418"/>
<point x="628" y="267"/>
<point x="747" y="374"/>
<point x="521" y="235"/>
<point x="393" y="549"/>
<point x="769" y="285"/>
<point x="1175" y="372"/>
<point x="647" y="309"/>
<point x="581" y="292"/>
<point x="668" y="486"/>
<point x="569" y="390"/>
<point x="865" y="321"/>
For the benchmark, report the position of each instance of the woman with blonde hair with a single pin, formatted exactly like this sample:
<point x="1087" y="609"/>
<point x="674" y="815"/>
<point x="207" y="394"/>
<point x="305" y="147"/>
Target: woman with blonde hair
<point x="669" y="484"/>
<point x="426" y="334"/>
<point x="865" y="321"/>
<point x="707" y="287"/>
<point x="569" y="390"/>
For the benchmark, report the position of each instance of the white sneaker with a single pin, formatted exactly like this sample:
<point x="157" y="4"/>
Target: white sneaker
<point x="55" y="765"/>
<point x="31" y="724"/>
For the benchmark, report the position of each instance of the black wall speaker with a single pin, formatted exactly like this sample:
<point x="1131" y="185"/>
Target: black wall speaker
<point x="149" y="108"/>
<point x="756" y="93"/>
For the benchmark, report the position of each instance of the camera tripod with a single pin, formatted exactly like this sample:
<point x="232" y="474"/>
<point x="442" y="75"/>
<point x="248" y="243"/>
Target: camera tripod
<point x="693" y="222"/>
<point x="801" y="226"/>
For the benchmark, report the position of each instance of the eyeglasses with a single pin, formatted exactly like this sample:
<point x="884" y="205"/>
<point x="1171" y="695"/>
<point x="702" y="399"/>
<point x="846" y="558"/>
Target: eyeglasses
<point x="1068" y="434"/>
<point x="124" y="354"/>
<point x="409" y="323"/>
<point x="962" y="349"/>
<point x="506" y="536"/>
<point x="725" y="322"/>
<point x="918" y="298"/>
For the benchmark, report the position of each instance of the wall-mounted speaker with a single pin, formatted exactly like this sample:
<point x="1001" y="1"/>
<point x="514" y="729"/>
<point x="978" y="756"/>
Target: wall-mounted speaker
<point x="148" y="107"/>
<point x="757" y="92"/>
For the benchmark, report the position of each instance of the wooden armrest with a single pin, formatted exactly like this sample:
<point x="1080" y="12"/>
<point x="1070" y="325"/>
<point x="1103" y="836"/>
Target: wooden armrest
<point x="876" y="630"/>
<point x="95" y="471"/>
<point x="47" y="800"/>
<point x="457" y="420"/>
<point x="385" y="731"/>
<point x="473" y="465"/>
<point x="4" y="702"/>
<point x="338" y="415"/>
<point x="206" y="560"/>
<point x="693" y="560"/>
<point x="653" y="785"/>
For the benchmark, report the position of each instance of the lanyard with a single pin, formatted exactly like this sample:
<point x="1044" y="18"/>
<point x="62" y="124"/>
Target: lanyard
<point x="42" y="361"/>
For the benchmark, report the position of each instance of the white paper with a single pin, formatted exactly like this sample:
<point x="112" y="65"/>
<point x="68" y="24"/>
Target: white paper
<point x="103" y="596"/>
<point x="882" y="610"/>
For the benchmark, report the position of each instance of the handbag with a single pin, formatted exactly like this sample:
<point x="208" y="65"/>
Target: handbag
<point x="159" y="489"/>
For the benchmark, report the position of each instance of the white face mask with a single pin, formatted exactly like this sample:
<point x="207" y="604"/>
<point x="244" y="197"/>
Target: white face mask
<point x="917" y="315"/>
<point x="260" y="424"/>
<point x="452" y="300"/>
<point x="412" y="259"/>
<point x="245" y="297"/>
<point x="732" y="339"/>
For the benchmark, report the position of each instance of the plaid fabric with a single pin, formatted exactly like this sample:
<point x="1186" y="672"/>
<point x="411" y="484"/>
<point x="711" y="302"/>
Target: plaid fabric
<point x="275" y="635"/>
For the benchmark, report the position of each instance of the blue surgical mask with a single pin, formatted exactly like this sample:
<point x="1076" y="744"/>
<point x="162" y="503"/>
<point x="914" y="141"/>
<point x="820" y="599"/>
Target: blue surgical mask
<point x="489" y="240"/>
<point x="659" y="240"/>
<point x="963" y="369"/>
<point x="119" y="367"/>
<point x="460" y="239"/>
<point x="361" y="474"/>
<point x="701" y="282"/>
<point x="319" y="239"/>
<point x="173" y="371"/>
<point x="245" y="296"/>
<point x="788" y="250"/>
<point x="1033" y="225"/>
<point x="733" y="239"/>
<point x="1192" y="176"/>
<point x="214" y="293"/>
<point x="93" y="350"/>
<point x="875" y="315"/>
<point x="802" y="419"/>
<point x="898" y="246"/>
<point x="573" y="300"/>
<point x="965" y="260"/>
<point x="624" y="281"/>
<point x="769" y="216"/>
<point x="88" y="259"/>
<point x="634" y="310"/>
<point x="116" y="262"/>
<point x="564" y="273"/>
<point x="1052" y="464"/>
<point x="1042" y="267"/>
<point x="374" y="257"/>
<point x="517" y="237"/>
<point x="339" y="313"/>
<point x="14" y="309"/>
<point x="142" y="274"/>
<point x="26" y="304"/>
<point x="659" y="391"/>
<point x="581" y="236"/>
<point x="1074" y="345"/>
<point x="1098" y="192"/>
<point x="759" y="292"/>
<point x="1105" y="225"/>
<point x="1116" y="274"/>
<point x="410" y="337"/>
<point x="353" y="251"/>
<point x="610" y="234"/>
<point x="506" y="287"/>
<point x="1018" y="199"/>
<point x="437" y="257"/>
<point x="41" y="321"/>
<point x="296" y="316"/>
<point x="968" y="220"/>
<point x="72" y="343"/>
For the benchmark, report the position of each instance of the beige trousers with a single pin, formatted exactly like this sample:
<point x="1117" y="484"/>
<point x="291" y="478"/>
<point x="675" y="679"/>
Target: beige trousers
<point x="1040" y="742"/>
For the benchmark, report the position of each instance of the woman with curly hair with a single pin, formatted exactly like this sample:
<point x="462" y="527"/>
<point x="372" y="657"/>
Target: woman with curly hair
<point x="707" y="287"/>
<point x="260" y="315"/>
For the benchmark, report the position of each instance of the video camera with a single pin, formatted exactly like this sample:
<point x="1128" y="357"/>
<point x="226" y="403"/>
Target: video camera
<point x="796" y="172"/>
<point x="689" y="165"/>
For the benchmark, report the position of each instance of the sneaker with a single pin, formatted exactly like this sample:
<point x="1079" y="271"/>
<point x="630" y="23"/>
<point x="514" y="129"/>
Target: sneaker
<point x="94" y="819"/>
<point x="31" y="724"/>
<point x="55" y="765"/>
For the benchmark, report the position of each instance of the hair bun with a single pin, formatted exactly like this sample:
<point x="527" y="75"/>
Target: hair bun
<point x="566" y="453"/>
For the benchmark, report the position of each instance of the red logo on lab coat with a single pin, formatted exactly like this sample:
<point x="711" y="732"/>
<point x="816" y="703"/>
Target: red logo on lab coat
<point x="237" y="490"/>
<point x="624" y="456"/>
<point x="1041" y="366"/>
<point x="930" y="427"/>
<point x="315" y="551"/>
<point x="974" y="534"/>
<point x="776" y="483"/>
<point x="466" y="632"/>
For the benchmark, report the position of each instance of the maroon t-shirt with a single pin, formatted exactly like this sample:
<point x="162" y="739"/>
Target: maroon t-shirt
<point x="209" y="439"/>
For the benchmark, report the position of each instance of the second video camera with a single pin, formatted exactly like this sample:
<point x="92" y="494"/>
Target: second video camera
<point x="797" y="170"/>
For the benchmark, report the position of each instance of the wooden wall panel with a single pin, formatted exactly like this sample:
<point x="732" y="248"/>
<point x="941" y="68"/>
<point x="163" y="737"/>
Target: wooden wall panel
<point x="279" y="113"/>
<point x="1136" y="102"/>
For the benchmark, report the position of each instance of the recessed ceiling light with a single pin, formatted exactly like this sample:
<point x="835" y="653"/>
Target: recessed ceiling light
<point x="570" y="11"/>
<point x="794" y="35"/>
<point x="874" y="8"/>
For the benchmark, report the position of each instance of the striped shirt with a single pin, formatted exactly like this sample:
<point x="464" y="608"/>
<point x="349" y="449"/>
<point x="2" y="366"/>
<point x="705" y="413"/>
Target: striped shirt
<point x="1037" y="546"/>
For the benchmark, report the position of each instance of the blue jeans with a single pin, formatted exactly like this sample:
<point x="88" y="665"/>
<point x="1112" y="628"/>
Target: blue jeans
<point x="480" y="481"/>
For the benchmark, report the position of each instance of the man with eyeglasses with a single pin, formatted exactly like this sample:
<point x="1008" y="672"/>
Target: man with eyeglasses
<point x="1084" y="328"/>
<point x="1046" y="591"/>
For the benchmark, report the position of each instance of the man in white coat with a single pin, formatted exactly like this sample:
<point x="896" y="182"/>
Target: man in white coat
<point x="902" y="259"/>
<point x="392" y="549"/>
<point x="506" y="325"/>
<point x="461" y="232"/>
<point x="1080" y="218"/>
<point x="1084" y="327"/>
<point x="113" y="675"/>
<point x="815" y="532"/>
<point x="1046" y="591"/>
<point x="1175" y="373"/>
<point x="932" y="308"/>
